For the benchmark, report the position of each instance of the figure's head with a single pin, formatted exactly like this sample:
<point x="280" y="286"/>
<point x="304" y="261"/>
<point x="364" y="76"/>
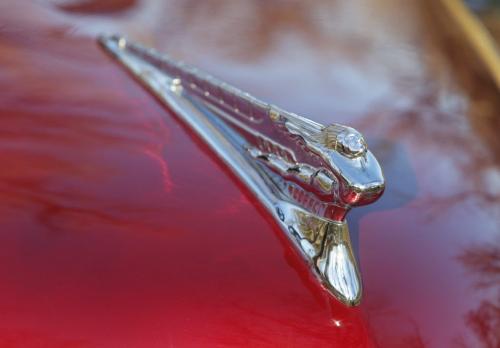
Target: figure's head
<point x="359" y="173"/>
<point x="345" y="140"/>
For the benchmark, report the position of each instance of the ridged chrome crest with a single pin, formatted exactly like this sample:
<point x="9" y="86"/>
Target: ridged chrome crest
<point x="306" y="174"/>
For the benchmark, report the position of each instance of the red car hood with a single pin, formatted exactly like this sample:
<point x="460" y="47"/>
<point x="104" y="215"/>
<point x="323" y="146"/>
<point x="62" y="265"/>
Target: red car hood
<point x="120" y="228"/>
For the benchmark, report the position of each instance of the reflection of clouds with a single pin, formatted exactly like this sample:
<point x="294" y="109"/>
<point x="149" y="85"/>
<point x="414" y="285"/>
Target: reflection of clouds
<point x="444" y="143"/>
<point x="491" y="178"/>
<point x="292" y="43"/>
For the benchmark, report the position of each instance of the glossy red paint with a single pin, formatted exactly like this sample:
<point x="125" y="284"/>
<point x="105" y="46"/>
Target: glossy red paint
<point x="120" y="228"/>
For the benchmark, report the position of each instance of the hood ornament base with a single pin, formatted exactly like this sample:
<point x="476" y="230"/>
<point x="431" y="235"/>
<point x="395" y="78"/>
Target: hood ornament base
<point x="307" y="175"/>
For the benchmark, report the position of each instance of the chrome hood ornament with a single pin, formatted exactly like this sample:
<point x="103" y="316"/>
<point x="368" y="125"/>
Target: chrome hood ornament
<point x="306" y="174"/>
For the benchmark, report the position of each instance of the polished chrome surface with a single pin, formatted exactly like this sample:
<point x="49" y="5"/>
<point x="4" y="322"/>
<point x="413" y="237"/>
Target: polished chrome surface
<point x="306" y="174"/>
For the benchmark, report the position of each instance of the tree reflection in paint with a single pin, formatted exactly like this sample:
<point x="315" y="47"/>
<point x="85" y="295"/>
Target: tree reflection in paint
<point x="483" y="262"/>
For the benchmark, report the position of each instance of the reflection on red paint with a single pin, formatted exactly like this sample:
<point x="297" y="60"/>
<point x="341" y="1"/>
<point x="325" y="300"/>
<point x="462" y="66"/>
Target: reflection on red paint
<point x="96" y="6"/>
<point x="118" y="227"/>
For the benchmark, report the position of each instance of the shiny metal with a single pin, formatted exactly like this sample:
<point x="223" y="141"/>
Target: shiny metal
<point x="306" y="174"/>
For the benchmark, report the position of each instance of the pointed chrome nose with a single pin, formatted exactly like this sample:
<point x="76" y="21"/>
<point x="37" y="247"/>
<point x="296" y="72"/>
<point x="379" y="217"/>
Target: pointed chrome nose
<point x="337" y="265"/>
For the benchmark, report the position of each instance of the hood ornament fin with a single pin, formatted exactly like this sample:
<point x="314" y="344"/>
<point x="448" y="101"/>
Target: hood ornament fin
<point x="306" y="174"/>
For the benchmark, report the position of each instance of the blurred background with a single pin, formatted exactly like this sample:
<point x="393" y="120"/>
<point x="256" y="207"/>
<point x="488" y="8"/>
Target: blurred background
<point x="419" y="78"/>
